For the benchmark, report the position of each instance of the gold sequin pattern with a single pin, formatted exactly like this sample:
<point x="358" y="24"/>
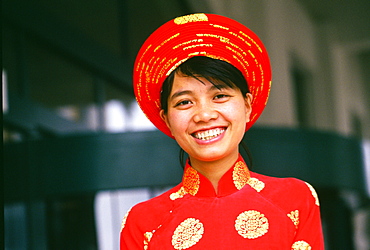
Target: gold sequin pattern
<point x="147" y="237"/>
<point x="187" y="234"/>
<point x="191" y="181"/>
<point x="179" y="194"/>
<point x="191" y="18"/>
<point x="294" y="216"/>
<point x="301" y="245"/>
<point x="314" y="194"/>
<point x="241" y="175"/>
<point x="251" y="224"/>
<point x="256" y="184"/>
<point x="124" y="219"/>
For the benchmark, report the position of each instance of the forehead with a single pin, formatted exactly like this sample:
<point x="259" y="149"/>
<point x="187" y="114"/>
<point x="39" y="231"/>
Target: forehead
<point x="183" y="81"/>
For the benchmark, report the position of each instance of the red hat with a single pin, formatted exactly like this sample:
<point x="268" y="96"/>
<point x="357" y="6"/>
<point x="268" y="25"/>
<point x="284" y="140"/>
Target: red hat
<point x="208" y="35"/>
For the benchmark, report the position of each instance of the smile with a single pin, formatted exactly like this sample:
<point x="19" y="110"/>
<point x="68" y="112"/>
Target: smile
<point x="208" y="134"/>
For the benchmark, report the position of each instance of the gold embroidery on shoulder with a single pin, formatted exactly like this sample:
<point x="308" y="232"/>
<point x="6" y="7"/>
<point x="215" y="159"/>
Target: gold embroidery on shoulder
<point x="147" y="237"/>
<point x="179" y="194"/>
<point x="191" y="181"/>
<point x="187" y="234"/>
<point x="256" y="184"/>
<point x="191" y="18"/>
<point x="241" y="175"/>
<point x="251" y="224"/>
<point x="294" y="216"/>
<point x="314" y="194"/>
<point x="124" y="219"/>
<point x="301" y="245"/>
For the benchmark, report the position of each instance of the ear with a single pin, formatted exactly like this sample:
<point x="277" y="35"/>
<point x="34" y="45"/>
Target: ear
<point x="163" y="115"/>
<point x="248" y="105"/>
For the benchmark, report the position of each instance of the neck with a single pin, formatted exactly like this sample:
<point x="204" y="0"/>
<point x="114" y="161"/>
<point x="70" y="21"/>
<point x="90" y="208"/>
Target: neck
<point x="214" y="170"/>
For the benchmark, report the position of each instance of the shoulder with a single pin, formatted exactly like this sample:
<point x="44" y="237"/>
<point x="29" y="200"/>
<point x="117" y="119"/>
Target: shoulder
<point x="150" y="212"/>
<point x="287" y="189"/>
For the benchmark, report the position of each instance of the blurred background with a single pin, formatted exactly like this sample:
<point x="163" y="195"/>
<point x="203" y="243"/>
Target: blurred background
<point x="78" y="152"/>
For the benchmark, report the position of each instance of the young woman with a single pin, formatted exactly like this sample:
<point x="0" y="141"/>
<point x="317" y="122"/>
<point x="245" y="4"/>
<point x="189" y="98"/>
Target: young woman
<point x="203" y="80"/>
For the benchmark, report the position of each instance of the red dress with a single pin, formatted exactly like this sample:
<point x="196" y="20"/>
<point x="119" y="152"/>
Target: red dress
<point x="250" y="211"/>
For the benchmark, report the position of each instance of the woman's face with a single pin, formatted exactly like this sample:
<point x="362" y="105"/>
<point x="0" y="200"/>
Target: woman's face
<point x="208" y="122"/>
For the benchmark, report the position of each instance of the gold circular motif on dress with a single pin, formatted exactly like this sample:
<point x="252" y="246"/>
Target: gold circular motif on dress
<point x="187" y="234"/>
<point x="301" y="245"/>
<point x="256" y="184"/>
<point x="191" y="181"/>
<point x="251" y="224"/>
<point x="241" y="175"/>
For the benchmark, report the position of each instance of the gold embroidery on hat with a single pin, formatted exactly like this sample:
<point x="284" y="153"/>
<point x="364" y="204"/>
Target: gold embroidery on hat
<point x="294" y="216"/>
<point x="241" y="175"/>
<point x="251" y="224"/>
<point x="124" y="219"/>
<point x="198" y="45"/>
<point x="187" y="42"/>
<point x="222" y="38"/>
<point x="256" y="184"/>
<point x="147" y="237"/>
<point x="179" y="194"/>
<point x="301" y="245"/>
<point x="314" y="194"/>
<point x="219" y="26"/>
<point x="240" y="37"/>
<point x="165" y="41"/>
<point x="190" y="18"/>
<point x="187" y="234"/>
<point x="191" y="181"/>
<point x="252" y="40"/>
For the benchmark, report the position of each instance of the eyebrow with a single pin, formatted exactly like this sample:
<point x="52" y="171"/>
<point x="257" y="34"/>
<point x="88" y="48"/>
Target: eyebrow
<point x="188" y="92"/>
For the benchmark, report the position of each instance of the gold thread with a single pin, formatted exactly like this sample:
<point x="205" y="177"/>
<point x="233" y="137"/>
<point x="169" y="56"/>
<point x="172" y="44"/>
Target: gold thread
<point x="187" y="42"/>
<point x="147" y="237"/>
<point x="222" y="38"/>
<point x="191" y="181"/>
<point x="179" y="194"/>
<point x="256" y="184"/>
<point x="187" y="234"/>
<point x="314" y="194"/>
<point x="241" y="175"/>
<point x="198" y="45"/>
<point x="252" y="40"/>
<point x="124" y="220"/>
<point x="219" y="26"/>
<point x="301" y="245"/>
<point x="190" y="18"/>
<point x="294" y="216"/>
<point x="251" y="224"/>
<point x="165" y="41"/>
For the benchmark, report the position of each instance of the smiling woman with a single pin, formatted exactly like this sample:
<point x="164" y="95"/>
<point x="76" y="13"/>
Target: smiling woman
<point x="204" y="80"/>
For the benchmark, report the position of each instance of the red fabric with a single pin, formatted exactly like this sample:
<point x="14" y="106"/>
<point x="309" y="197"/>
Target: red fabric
<point x="152" y="224"/>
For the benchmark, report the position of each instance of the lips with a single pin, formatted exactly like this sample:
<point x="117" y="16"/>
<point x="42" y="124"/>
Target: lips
<point x="208" y="134"/>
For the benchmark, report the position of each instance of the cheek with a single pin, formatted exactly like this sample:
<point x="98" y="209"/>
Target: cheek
<point x="177" y="122"/>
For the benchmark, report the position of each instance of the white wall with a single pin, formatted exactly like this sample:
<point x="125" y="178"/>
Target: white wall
<point x="336" y="91"/>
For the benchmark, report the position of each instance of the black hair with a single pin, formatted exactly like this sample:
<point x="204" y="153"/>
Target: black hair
<point x="213" y="70"/>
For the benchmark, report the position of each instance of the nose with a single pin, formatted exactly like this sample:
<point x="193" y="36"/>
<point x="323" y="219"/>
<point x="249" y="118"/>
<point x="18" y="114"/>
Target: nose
<point x="205" y="113"/>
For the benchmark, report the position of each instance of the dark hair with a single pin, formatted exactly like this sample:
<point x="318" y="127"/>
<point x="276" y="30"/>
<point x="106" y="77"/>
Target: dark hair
<point x="213" y="70"/>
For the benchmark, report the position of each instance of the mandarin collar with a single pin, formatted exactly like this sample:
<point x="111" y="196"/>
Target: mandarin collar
<point x="196" y="184"/>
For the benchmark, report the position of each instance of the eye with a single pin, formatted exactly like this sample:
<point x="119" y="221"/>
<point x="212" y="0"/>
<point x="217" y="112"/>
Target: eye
<point x="183" y="103"/>
<point x="221" y="97"/>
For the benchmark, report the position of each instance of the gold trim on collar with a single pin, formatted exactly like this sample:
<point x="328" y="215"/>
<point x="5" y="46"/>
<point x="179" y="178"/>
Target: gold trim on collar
<point x="191" y="181"/>
<point x="241" y="175"/>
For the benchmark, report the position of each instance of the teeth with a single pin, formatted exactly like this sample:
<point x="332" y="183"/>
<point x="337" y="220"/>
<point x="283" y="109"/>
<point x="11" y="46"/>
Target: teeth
<point x="209" y="134"/>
